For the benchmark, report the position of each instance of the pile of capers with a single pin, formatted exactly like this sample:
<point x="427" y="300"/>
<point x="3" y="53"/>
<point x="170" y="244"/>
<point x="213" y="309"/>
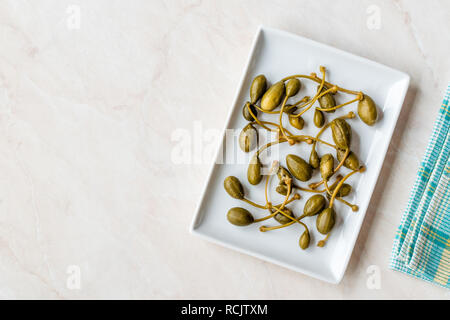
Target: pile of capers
<point x="321" y="204"/>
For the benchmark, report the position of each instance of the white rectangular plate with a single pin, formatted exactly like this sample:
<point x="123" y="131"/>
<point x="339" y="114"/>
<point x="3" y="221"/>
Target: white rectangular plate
<point x="277" y="54"/>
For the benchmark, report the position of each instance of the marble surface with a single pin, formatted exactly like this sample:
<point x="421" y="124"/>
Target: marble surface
<point x="91" y="93"/>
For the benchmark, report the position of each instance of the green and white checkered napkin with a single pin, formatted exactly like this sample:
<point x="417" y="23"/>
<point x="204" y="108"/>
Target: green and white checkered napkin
<point x="422" y="244"/>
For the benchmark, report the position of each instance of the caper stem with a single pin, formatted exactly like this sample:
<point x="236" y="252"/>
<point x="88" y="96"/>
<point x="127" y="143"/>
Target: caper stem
<point x="340" y="105"/>
<point x="326" y="186"/>
<point x="349" y="115"/>
<point x="254" y="204"/>
<point x="316" y="96"/>
<point x="273" y="214"/>
<point x="307" y="139"/>
<point x="295" y="197"/>
<point x="264" y="111"/>
<point x="294" y="219"/>
<point x="311" y="190"/>
<point x="290" y="200"/>
<point x="257" y="120"/>
<point x="322" y="242"/>
<point x="324" y="142"/>
<point x="313" y="139"/>
<point x="347" y="152"/>
<point x="264" y="228"/>
<point x="266" y="206"/>
<point x="277" y="210"/>
<point x="315" y="185"/>
<point x="305" y="103"/>
<point x="336" y="190"/>
<point x="280" y="140"/>
<point x="354" y="207"/>
<point x="303" y="100"/>
<point x="280" y="120"/>
<point x="313" y="77"/>
<point x="318" y="135"/>
<point x="318" y="80"/>
<point x="338" y="178"/>
<point x="273" y="124"/>
<point x="310" y="103"/>
<point x="305" y="76"/>
<point x="267" y="217"/>
<point x="265" y="190"/>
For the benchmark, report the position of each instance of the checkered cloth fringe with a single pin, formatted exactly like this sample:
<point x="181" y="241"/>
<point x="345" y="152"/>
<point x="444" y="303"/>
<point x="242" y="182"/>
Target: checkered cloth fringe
<point x="422" y="244"/>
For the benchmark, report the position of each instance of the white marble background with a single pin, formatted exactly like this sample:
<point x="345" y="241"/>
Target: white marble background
<point x="86" y="118"/>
